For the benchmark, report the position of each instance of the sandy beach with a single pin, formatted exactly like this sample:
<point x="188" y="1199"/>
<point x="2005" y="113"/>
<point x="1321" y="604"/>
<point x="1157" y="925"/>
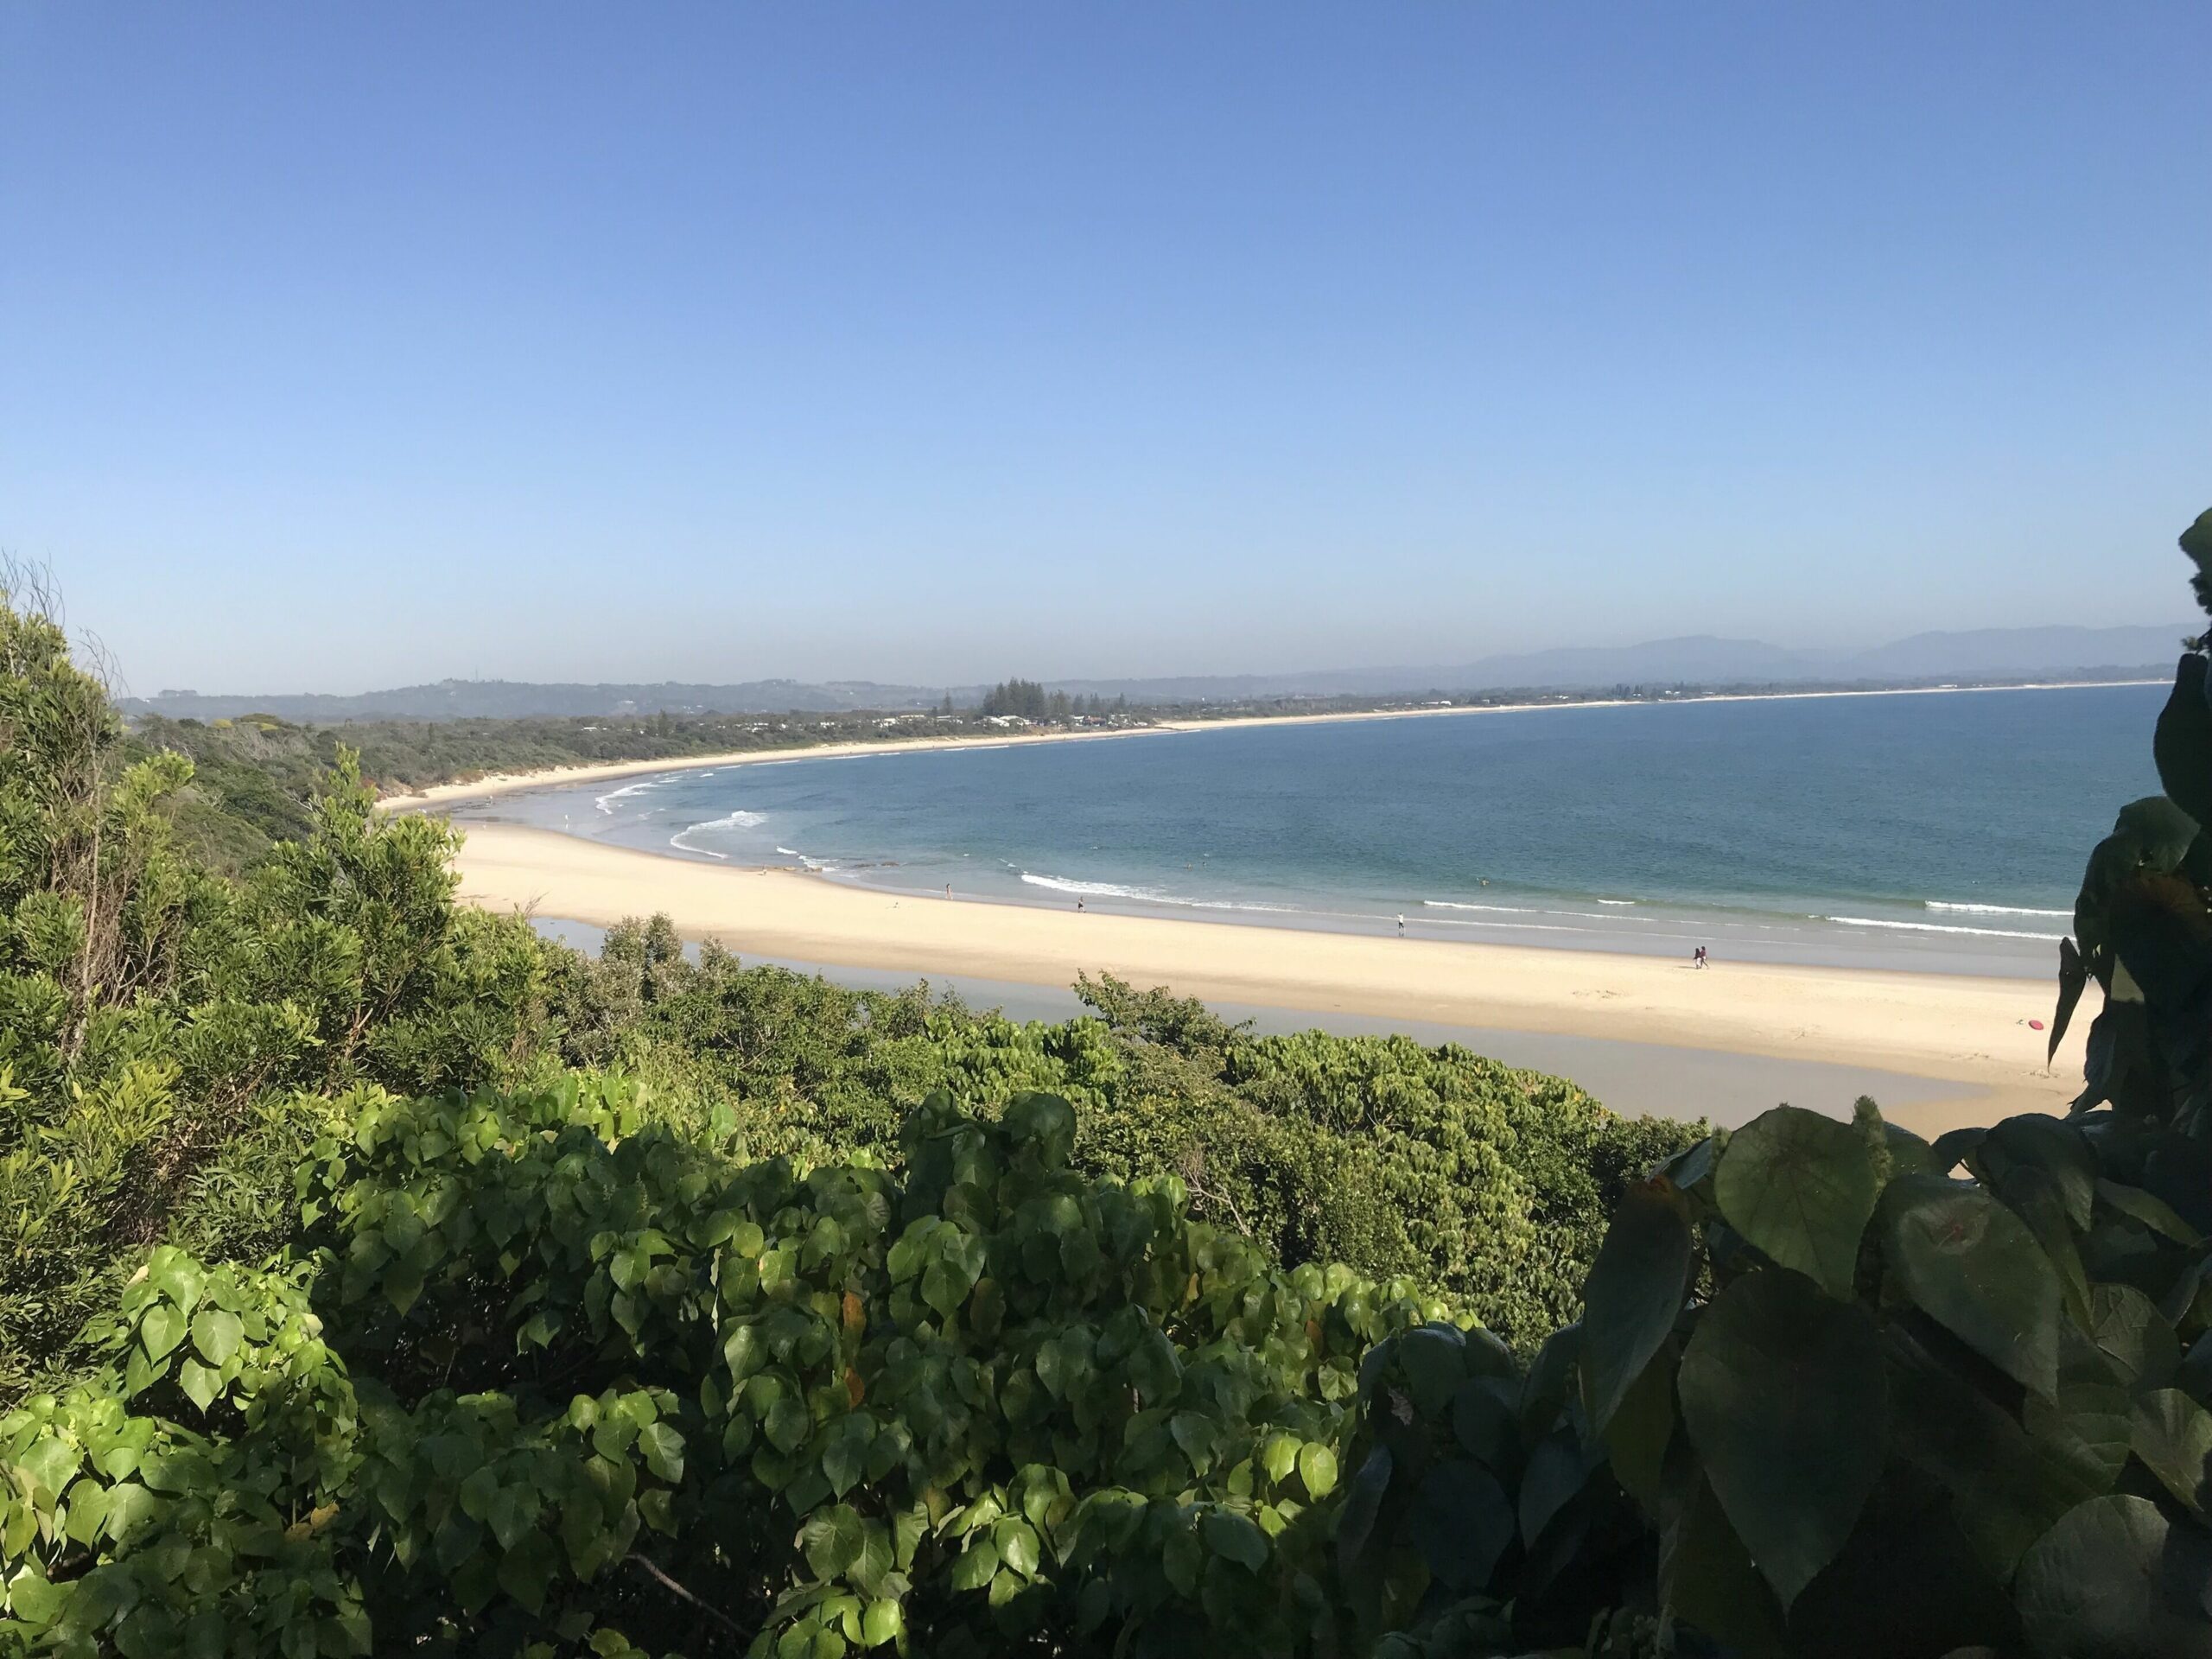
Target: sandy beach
<point x="1970" y="1032"/>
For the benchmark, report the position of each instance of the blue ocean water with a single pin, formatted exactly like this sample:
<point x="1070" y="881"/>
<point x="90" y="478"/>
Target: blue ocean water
<point x="1945" y="832"/>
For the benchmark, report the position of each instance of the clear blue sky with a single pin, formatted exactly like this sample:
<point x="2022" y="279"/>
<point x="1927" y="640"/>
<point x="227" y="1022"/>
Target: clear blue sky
<point x="348" y="345"/>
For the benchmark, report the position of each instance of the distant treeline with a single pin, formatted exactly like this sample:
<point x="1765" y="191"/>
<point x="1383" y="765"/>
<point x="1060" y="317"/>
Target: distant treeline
<point x="1029" y="700"/>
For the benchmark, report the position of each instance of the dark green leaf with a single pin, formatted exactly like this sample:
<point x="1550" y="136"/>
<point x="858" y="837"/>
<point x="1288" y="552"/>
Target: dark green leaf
<point x="1799" y="1187"/>
<point x="2153" y="1212"/>
<point x="1634" y="1292"/>
<point x="2085" y="1424"/>
<point x="663" y="1450"/>
<point x="1707" y="1581"/>
<point x="2181" y="744"/>
<point x="2073" y="979"/>
<point x="832" y="1540"/>
<point x="1363" y="1502"/>
<point x="1462" y="1523"/>
<point x="1016" y="1541"/>
<point x="975" y="1566"/>
<point x="1782" y="1393"/>
<point x="527" y="1570"/>
<point x="1973" y="1266"/>
<point x="2173" y="1436"/>
<point x="2134" y="1336"/>
<point x="1234" y="1537"/>
<point x="789" y="1424"/>
<point x="2006" y="1489"/>
<point x="1434" y="1360"/>
<point x="1638" y="1438"/>
<point x="2114" y="1580"/>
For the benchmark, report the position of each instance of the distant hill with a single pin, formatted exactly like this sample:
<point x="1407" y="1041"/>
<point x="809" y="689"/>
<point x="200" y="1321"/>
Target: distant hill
<point x="1697" y="659"/>
<point x="519" y="699"/>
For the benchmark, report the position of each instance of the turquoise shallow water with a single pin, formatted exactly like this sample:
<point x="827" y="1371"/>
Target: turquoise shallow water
<point x="1944" y="832"/>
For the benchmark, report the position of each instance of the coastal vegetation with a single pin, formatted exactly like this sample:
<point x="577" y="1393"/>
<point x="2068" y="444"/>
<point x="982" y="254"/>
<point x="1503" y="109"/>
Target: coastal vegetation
<point x="380" y="1277"/>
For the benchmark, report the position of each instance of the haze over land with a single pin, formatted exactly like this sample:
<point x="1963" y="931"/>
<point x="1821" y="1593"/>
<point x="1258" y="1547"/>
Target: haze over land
<point x="1697" y="660"/>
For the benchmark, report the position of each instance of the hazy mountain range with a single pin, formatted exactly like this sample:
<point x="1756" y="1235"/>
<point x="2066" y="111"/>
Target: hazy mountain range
<point x="1699" y="659"/>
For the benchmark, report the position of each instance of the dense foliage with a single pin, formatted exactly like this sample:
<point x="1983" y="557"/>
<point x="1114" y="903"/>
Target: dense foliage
<point x="1487" y="1184"/>
<point x="158" y="1025"/>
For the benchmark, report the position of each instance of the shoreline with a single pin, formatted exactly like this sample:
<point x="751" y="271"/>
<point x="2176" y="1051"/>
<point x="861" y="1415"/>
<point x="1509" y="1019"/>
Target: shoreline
<point x="1967" y="1032"/>
<point x="497" y="784"/>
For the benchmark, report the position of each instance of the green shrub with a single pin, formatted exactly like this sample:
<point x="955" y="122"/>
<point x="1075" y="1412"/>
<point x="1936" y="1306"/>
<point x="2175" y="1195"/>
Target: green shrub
<point x="558" y="1373"/>
<point x="160" y="1024"/>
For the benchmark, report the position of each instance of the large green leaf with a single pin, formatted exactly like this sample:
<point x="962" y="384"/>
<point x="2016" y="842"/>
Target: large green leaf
<point x="1907" y="1583"/>
<point x="1707" y="1581"/>
<point x="832" y="1540"/>
<point x="2114" y="1580"/>
<point x="2006" y="1488"/>
<point x="1642" y="1429"/>
<point x="2196" y="542"/>
<point x="1784" y="1395"/>
<point x="2132" y="1334"/>
<point x="1799" y="1187"/>
<point x="1973" y="1266"/>
<point x="2036" y="1141"/>
<point x="1356" y="1518"/>
<point x="2085" y="1423"/>
<point x="160" y="1330"/>
<point x="2157" y="831"/>
<point x="1634" y="1292"/>
<point x="2173" y="1436"/>
<point x="2182" y="742"/>
<point x="1461" y="1522"/>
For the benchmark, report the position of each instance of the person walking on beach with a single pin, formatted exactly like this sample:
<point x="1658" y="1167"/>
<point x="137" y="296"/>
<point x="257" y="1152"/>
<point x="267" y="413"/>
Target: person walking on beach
<point x="1697" y="956"/>
<point x="1401" y="927"/>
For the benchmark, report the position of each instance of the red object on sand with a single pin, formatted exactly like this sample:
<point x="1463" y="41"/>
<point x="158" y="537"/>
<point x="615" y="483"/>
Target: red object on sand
<point x="2035" y="1024"/>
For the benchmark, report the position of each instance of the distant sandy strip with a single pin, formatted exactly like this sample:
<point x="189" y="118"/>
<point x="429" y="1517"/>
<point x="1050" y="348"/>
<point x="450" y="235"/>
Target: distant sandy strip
<point x="1972" y="1031"/>
<point x="551" y="777"/>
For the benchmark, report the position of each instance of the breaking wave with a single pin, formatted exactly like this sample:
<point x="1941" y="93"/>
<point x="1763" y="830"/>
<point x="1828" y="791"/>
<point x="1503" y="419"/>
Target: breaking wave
<point x="1534" y="910"/>
<point x="1991" y="910"/>
<point x="1940" y="927"/>
<point x="603" y="801"/>
<point x="1144" y="895"/>
<point x="734" y="820"/>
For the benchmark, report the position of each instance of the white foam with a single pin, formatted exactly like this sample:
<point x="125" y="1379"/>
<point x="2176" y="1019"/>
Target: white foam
<point x="1940" y="927"/>
<point x="616" y="795"/>
<point x="734" y="820"/>
<point x="1992" y="909"/>
<point x="1146" y="895"/>
<point x="1091" y="889"/>
<point x="1525" y="909"/>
